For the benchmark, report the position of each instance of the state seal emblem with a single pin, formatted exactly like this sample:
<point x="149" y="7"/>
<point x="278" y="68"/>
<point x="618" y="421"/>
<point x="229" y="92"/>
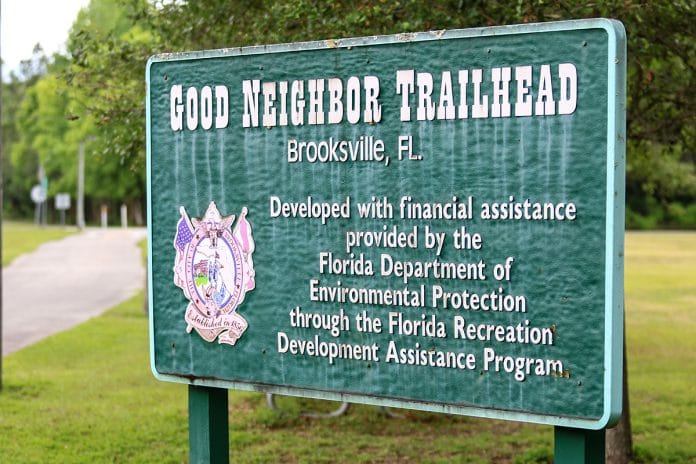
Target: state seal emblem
<point x="215" y="270"/>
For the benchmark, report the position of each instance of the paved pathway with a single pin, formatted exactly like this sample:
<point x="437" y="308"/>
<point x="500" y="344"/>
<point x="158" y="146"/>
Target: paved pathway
<point x="66" y="282"/>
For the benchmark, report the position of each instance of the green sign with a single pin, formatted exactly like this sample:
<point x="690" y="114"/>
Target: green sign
<point x="431" y="220"/>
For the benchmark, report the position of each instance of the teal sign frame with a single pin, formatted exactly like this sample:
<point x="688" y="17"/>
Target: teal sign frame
<point x="430" y="221"/>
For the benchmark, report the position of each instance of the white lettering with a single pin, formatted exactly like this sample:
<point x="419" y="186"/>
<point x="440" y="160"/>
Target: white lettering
<point x="269" y="112"/>
<point x="206" y="107"/>
<point x="426" y="107"/>
<point x="404" y="87"/>
<point x="315" y="87"/>
<point x="335" y="103"/>
<point x="480" y="107"/>
<point x="222" y="104"/>
<point x="545" y="104"/>
<point x="353" y="100"/>
<point x="523" y="106"/>
<point x="192" y="108"/>
<point x="445" y="108"/>
<point x="251" y="89"/>
<point x="176" y="108"/>
<point x="501" y="92"/>
<point x="373" y="110"/>
<point x="568" y="98"/>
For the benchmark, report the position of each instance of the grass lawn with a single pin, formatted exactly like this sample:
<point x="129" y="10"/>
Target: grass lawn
<point x="87" y="395"/>
<point x="661" y="340"/>
<point x="22" y="237"/>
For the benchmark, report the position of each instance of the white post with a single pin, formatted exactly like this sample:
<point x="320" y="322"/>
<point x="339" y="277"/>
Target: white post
<point x="124" y="216"/>
<point x="81" y="186"/>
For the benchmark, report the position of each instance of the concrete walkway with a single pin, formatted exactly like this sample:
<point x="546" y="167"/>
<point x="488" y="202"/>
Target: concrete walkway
<point x="66" y="282"/>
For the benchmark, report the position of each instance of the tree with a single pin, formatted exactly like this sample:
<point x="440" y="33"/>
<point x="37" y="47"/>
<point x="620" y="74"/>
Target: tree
<point x="105" y="39"/>
<point x="19" y="177"/>
<point x="661" y="184"/>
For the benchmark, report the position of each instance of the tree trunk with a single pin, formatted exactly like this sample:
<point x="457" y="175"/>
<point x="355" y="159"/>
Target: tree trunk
<point x="137" y="212"/>
<point x="619" y="443"/>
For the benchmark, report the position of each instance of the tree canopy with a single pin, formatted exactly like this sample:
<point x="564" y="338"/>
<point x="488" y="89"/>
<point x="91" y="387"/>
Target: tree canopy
<point x="99" y="87"/>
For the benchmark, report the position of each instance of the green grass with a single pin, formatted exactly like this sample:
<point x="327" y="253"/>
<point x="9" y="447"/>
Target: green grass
<point x="87" y="395"/>
<point x="20" y="237"/>
<point x="661" y="341"/>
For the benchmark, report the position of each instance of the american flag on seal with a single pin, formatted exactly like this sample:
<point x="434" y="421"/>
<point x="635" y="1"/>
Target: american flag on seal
<point x="184" y="235"/>
<point x="242" y="234"/>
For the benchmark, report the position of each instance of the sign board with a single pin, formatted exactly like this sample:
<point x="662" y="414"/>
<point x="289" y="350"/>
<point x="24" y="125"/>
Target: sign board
<point x="430" y="220"/>
<point x="62" y="201"/>
<point x="38" y="194"/>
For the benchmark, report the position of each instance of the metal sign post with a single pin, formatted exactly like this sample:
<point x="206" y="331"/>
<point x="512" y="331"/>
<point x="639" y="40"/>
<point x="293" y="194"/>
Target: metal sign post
<point x="208" y="425"/>
<point x="578" y="446"/>
<point x="38" y="196"/>
<point x="62" y="203"/>
<point x="430" y="221"/>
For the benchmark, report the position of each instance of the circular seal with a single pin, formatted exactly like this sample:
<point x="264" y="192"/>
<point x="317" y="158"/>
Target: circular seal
<point x="214" y="272"/>
<point x="214" y="268"/>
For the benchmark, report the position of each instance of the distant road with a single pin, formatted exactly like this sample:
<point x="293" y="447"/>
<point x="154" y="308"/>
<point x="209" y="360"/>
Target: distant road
<point x="66" y="282"/>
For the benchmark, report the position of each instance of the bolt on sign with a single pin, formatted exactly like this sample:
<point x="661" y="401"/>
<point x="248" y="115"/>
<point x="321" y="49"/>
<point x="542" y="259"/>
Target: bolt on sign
<point x="430" y="220"/>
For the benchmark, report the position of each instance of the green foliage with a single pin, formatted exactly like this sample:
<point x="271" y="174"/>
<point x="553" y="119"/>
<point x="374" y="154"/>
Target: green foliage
<point x="661" y="109"/>
<point x="681" y="216"/>
<point x="40" y="124"/>
<point x="637" y="221"/>
<point x="102" y="89"/>
<point x="19" y="177"/>
<point x="49" y="119"/>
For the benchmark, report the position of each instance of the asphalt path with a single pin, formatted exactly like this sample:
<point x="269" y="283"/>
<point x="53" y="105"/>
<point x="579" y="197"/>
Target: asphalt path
<point x="66" y="282"/>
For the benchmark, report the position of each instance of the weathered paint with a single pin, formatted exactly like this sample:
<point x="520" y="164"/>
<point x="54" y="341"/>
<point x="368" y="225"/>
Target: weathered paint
<point x="570" y="272"/>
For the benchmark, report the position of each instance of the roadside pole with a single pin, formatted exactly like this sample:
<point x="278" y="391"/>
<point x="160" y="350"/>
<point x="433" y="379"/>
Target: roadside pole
<point x="81" y="182"/>
<point x="81" y="186"/>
